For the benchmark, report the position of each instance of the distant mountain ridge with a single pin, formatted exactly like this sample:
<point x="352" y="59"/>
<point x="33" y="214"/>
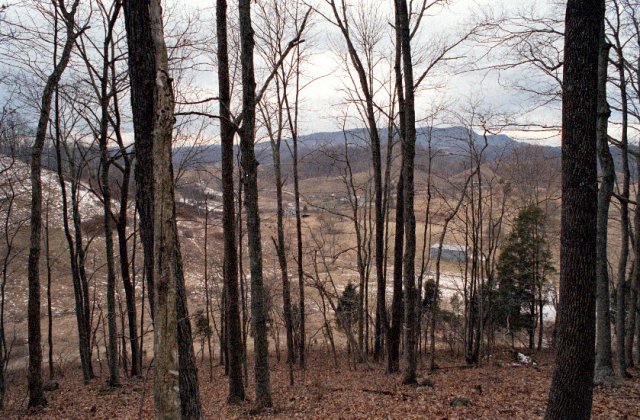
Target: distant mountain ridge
<point x="453" y="140"/>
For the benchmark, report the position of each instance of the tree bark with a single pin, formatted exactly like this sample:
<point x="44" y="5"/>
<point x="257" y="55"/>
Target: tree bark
<point x="231" y="308"/>
<point x="621" y="291"/>
<point x="393" y="339"/>
<point x="166" y="366"/>
<point x="604" y="367"/>
<point x="176" y="388"/>
<point x="408" y="151"/>
<point x="276" y="140"/>
<point x="571" y="390"/>
<point x="34" y="378"/>
<point x="293" y="125"/>
<point x="374" y="136"/>
<point x="105" y="99"/>
<point x="47" y="251"/>
<point x="250" y="172"/>
<point x="121" y="228"/>
<point x="142" y="76"/>
<point x="84" y="337"/>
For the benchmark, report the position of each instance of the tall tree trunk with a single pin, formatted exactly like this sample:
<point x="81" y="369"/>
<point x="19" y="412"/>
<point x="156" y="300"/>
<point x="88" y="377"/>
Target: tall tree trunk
<point x="105" y="164"/>
<point x="243" y="278"/>
<point x="129" y="288"/>
<point x="166" y="384"/>
<point x="36" y="391"/>
<point x="121" y="228"/>
<point x="207" y="292"/>
<point x="409" y="151"/>
<point x="47" y="251"/>
<point x="633" y="301"/>
<point x="80" y="251"/>
<point x="231" y="308"/>
<point x="293" y="125"/>
<point x="374" y="136"/>
<point x="604" y="367"/>
<point x="250" y="171"/>
<point x="189" y="389"/>
<point x="638" y="330"/>
<point x="142" y="76"/>
<point x="622" y="265"/>
<point x="84" y="338"/>
<point x="571" y="390"/>
<point x="393" y="340"/>
<point x="176" y="388"/>
<point x="635" y="282"/>
<point x="621" y="291"/>
<point x="112" y="350"/>
<point x="280" y="247"/>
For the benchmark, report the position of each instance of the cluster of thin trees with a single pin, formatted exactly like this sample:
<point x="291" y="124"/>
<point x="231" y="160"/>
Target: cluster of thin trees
<point x="112" y="64"/>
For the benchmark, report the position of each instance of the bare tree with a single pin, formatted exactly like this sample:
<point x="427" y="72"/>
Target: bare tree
<point x="624" y="193"/>
<point x="231" y="309"/>
<point x="452" y="214"/>
<point x="107" y="81"/>
<point x="12" y="225"/>
<point x="104" y="93"/>
<point x="604" y="368"/>
<point x="272" y="111"/>
<point x="36" y="392"/>
<point x="572" y="385"/>
<point x="367" y="35"/>
<point x="408" y="170"/>
<point x="393" y="340"/>
<point x="176" y="387"/>
<point x="250" y="175"/>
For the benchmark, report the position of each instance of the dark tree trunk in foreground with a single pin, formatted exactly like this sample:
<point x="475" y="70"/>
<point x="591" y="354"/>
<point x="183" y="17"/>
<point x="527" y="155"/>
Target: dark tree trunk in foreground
<point x="36" y="391"/>
<point x="408" y="153"/>
<point x="142" y="79"/>
<point x="571" y="390"/>
<point x="395" y="326"/>
<point x="604" y="367"/>
<point x="176" y="386"/>
<point x="232" y="308"/>
<point x="166" y="363"/>
<point x="250" y="172"/>
<point x="189" y="389"/>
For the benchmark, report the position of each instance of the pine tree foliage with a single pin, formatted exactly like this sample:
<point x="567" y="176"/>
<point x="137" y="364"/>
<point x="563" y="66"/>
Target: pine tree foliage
<point x="524" y="270"/>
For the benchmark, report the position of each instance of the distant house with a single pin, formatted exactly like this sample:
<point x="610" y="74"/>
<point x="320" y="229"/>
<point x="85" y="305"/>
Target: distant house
<point x="449" y="252"/>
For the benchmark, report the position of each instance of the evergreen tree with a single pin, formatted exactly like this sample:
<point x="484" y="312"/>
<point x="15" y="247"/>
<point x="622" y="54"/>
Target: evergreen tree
<point x="347" y="310"/>
<point x="524" y="267"/>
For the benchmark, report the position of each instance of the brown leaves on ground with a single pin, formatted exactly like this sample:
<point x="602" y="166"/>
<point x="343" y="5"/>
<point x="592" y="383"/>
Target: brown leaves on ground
<point x="497" y="389"/>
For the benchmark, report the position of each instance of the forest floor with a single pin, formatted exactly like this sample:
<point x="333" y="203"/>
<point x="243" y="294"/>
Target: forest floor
<point x="499" y="388"/>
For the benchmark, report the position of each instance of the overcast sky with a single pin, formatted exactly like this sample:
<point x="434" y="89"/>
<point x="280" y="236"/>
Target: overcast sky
<point x="323" y="100"/>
